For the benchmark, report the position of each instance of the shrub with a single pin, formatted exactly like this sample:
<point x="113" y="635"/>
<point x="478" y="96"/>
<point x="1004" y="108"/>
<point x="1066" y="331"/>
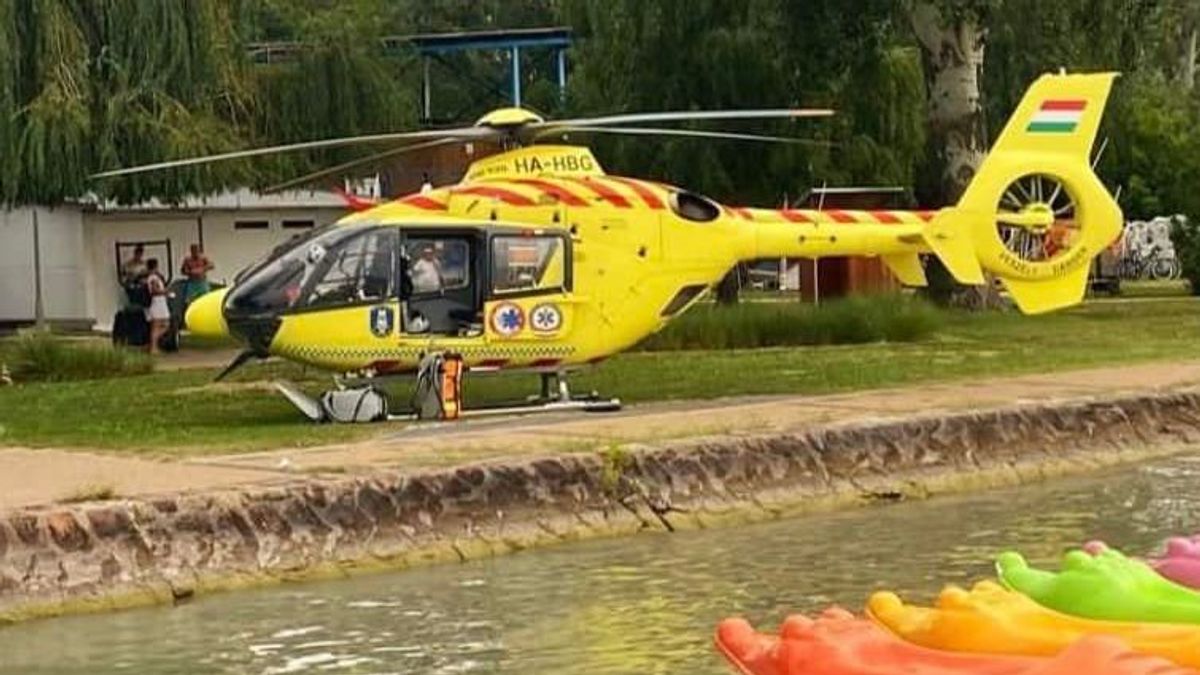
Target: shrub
<point x="853" y="320"/>
<point x="39" y="356"/>
<point x="1185" y="236"/>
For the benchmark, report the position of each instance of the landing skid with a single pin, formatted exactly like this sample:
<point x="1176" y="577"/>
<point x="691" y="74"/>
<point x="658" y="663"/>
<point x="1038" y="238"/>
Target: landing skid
<point x="555" y="397"/>
<point x="576" y="405"/>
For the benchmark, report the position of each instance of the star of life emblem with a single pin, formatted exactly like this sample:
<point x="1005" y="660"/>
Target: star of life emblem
<point x="545" y="318"/>
<point x="507" y="319"/>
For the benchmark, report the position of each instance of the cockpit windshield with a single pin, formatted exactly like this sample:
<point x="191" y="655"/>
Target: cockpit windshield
<point x="344" y="265"/>
<point x="281" y="248"/>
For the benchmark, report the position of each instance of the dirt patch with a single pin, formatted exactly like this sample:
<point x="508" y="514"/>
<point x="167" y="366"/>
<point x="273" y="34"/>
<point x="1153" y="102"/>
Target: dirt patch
<point x="227" y="388"/>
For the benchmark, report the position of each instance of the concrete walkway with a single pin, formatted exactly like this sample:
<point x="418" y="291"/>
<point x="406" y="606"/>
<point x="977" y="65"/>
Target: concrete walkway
<point x="30" y="477"/>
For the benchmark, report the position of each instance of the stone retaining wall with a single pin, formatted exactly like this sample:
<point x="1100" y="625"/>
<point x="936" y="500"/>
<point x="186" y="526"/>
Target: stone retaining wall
<point x="112" y="554"/>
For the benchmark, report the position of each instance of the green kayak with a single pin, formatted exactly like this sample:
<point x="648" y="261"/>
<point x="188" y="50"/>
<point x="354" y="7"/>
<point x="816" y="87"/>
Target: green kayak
<point x="1106" y="586"/>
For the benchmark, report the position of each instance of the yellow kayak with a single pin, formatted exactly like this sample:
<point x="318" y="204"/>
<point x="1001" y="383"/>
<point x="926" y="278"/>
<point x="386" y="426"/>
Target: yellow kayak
<point x="995" y="620"/>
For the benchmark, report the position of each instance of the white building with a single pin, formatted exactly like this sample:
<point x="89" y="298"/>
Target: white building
<point x="80" y="246"/>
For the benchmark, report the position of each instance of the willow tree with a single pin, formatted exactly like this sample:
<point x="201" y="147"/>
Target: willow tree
<point x="87" y="85"/>
<point x="101" y="84"/>
<point x="10" y="75"/>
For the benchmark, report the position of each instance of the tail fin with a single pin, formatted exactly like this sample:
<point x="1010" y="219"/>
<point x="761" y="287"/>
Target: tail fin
<point x="1035" y="214"/>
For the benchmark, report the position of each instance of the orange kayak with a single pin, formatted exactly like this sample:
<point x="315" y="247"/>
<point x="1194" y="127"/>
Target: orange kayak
<point x="992" y="619"/>
<point x="837" y="643"/>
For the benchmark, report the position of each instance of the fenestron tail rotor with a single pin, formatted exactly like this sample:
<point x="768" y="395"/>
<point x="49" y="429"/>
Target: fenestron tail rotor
<point x="1035" y="218"/>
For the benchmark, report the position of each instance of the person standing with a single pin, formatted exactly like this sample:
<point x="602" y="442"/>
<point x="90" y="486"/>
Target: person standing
<point x="158" y="313"/>
<point x="195" y="271"/>
<point x="134" y="269"/>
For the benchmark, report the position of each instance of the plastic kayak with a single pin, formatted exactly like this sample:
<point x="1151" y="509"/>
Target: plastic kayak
<point x="837" y="643"/>
<point x="992" y="619"/>
<point x="1107" y="585"/>
<point x="1181" y="562"/>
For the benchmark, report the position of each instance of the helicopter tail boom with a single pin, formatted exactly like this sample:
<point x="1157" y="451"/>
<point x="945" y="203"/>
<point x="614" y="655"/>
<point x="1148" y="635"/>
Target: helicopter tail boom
<point x="1035" y="214"/>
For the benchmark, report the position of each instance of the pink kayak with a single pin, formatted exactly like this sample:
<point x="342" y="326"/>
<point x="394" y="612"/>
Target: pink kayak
<point x="1181" y="562"/>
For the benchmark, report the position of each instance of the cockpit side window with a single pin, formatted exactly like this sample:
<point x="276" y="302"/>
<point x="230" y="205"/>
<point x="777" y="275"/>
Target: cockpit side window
<point x="693" y="207"/>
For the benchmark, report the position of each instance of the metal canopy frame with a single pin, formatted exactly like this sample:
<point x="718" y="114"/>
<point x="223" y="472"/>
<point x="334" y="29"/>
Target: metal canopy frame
<point x="433" y="45"/>
<point x="512" y="41"/>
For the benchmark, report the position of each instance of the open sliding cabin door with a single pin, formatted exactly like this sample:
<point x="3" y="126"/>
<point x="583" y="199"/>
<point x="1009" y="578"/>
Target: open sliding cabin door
<point x="441" y="283"/>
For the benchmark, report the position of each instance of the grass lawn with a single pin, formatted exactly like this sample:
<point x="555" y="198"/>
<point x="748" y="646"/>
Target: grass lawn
<point x="174" y="413"/>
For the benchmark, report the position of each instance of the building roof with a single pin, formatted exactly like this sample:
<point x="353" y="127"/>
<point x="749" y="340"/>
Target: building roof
<point x="557" y="37"/>
<point x="229" y="200"/>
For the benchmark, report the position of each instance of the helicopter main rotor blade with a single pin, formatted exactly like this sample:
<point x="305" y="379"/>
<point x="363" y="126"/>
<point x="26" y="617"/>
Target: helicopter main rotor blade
<point x="353" y="164"/>
<point x="686" y="133"/>
<point x="462" y="133"/>
<point x="690" y="116"/>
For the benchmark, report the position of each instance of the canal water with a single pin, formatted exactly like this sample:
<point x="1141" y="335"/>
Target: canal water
<point x="645" y="604"/>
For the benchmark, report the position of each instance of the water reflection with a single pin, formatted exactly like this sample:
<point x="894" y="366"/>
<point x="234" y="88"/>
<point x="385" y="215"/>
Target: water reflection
<point x="642" y="605"/>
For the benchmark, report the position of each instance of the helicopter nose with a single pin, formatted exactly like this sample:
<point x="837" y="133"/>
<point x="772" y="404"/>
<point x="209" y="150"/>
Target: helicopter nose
<point x="204" y="316"/>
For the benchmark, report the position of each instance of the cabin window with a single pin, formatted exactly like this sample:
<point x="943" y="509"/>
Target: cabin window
<point x="693" y="207"/>
<point x="297" y="224"/>
<point x="682" y="299"/>
<point x="359" y="269"/>
<point x="251" y="225"/>
<point x="438" y="264"/>
<point x="528" y="264"/>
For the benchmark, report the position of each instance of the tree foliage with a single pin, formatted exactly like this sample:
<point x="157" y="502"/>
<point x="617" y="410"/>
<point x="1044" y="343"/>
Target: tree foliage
<point x="87" y="85"/>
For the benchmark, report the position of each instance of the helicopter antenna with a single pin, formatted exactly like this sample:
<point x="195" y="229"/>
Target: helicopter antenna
<point x="1100" y="152"/>
<point x="821" y="199"/>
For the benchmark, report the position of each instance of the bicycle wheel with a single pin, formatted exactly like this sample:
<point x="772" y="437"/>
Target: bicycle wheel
<point x="1163" y="269"/>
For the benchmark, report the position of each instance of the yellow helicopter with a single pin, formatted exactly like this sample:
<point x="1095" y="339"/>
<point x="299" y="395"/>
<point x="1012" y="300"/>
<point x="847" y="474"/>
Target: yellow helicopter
<point x="538" y="260"/>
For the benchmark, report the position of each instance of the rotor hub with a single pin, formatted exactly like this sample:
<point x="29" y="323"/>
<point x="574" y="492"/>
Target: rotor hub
<point x="507" y="118"/>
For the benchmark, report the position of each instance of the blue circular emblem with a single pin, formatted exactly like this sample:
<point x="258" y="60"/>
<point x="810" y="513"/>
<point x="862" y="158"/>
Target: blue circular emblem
<point x="382" y="321"/>
<point x="507" y="319"/>
<point x="546" y="318"/>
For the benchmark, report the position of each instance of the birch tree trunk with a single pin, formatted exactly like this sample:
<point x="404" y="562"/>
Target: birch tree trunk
<point x="1187" y="58"/>
<point x="952" y="49"/>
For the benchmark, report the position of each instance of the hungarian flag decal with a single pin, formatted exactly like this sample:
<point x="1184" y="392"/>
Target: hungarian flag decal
<point x="1057" y="117"/>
